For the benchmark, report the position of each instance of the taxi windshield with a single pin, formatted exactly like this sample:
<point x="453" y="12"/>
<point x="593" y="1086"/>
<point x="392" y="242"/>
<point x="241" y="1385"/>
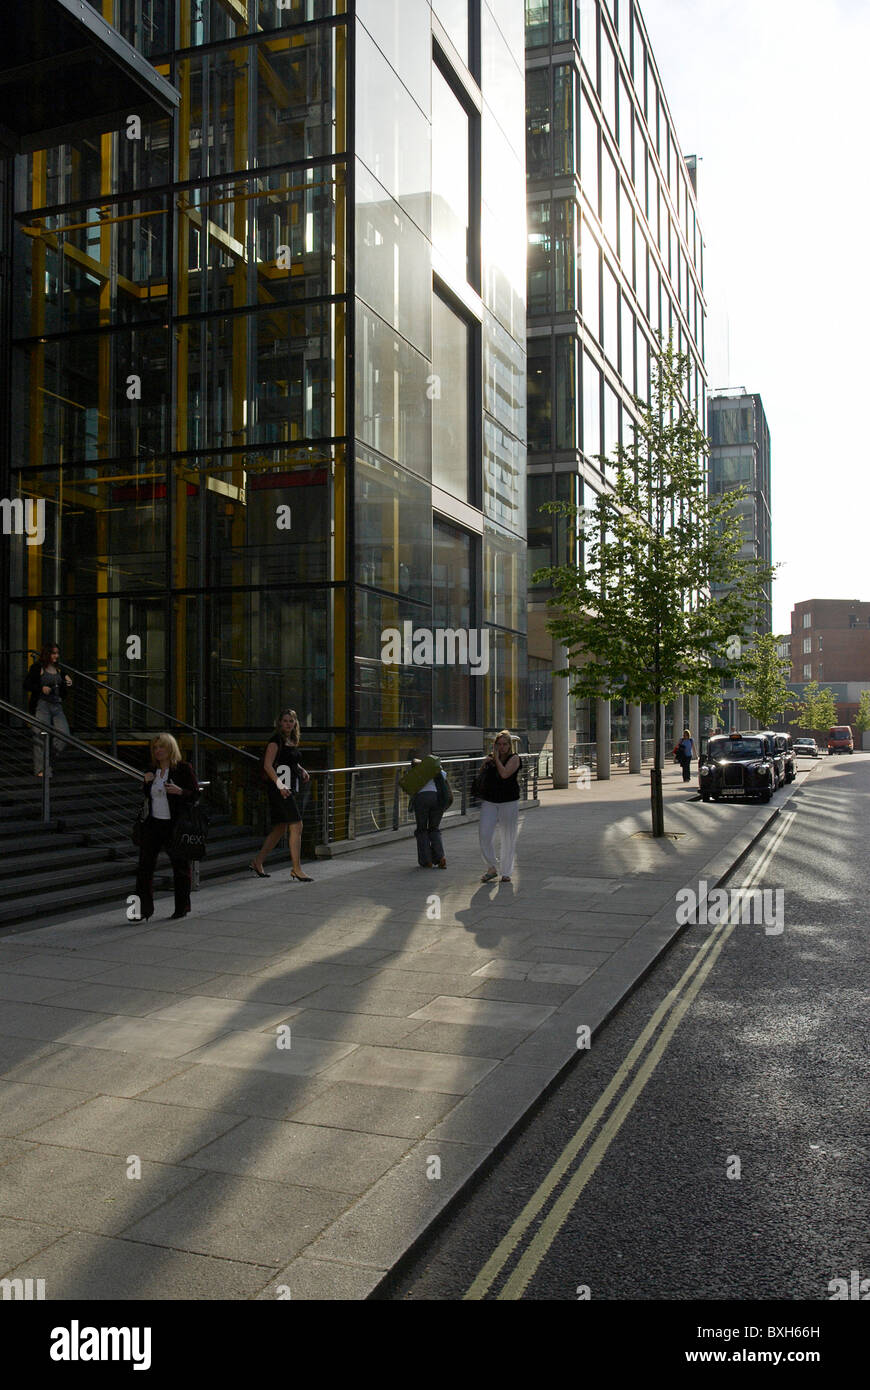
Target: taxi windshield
<point x="736" y="748"/>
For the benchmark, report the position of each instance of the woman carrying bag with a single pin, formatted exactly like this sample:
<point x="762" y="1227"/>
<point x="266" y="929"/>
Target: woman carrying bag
<point x="499" y="807"/>
<point x="430" y="796"/>
<point x="285" y="777"/>
<point x="170" y="789"/>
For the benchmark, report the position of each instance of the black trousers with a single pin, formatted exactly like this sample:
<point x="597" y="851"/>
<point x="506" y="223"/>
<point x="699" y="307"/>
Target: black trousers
<point x="155" y="837"/>
<point x="686" y="764"/>
<point x="428" y="812"/>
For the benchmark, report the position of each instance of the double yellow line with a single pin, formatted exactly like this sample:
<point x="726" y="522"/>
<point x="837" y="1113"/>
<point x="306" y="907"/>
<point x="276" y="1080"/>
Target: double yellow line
<point x="672" y="1009"/>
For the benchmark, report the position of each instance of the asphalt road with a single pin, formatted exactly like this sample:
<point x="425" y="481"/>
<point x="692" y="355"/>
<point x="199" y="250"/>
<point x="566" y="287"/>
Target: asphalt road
<point x="737" y="1165"/>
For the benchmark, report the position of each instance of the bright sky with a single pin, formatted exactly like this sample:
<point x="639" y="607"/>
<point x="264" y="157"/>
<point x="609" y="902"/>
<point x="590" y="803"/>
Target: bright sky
<point x="771" y="94"/>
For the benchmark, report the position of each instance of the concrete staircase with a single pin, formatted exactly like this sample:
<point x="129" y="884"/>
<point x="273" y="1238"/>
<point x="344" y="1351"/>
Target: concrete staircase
<point x="85" y="855"/>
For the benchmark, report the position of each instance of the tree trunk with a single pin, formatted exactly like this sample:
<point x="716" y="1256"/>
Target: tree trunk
<point x="655" y="777"/>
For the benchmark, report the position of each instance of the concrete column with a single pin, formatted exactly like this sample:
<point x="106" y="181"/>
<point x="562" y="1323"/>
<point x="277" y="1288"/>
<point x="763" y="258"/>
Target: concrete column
<point x="680" y="719"/>
<point x="602" y="745"/>
<point x="634" y="745"/>
<point x="561" y="719"/>
<point x="694" y="719"/>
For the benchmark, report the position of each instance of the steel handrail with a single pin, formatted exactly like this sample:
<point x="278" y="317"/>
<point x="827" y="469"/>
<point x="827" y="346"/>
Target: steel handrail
<point x="106" y="758"/>
<point x="191" y="728"/>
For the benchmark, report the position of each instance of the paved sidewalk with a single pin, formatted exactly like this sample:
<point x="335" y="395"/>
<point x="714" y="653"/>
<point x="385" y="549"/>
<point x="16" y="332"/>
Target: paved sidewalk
<point x="279" y="1094"/>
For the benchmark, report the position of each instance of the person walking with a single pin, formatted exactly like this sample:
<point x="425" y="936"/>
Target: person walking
<point x="47" y="685"/>
<point x="685" y="753"/>
<point x="499" y="807"/>
<point x="285" y="775"/>
<point x="425" y="782"/>
<point x="170" y="785"/>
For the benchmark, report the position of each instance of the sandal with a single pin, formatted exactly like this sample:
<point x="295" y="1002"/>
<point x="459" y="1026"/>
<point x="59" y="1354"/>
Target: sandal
<point x="489" y="876"/>
<point x="300" y="878"/>
<point x="261" y="873"/>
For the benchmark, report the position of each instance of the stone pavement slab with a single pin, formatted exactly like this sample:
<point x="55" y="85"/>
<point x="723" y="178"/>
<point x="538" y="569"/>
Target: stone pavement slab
<point x="425" y="1013"/>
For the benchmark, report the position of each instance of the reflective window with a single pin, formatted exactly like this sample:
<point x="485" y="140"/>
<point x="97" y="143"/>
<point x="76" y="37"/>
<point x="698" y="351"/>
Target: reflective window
<point x="563" y="119"/>
<point x="608" y="82"/>
<point x="587" y="27"/>
<point x="389" y="696"/>
<point x="453" y="607"/>
<point x="639" y="167"/>
<point x="626" y="234"/>
<point x="384" y="107"/>
<point x="539" y="141"/>
<point x="392" y="262"/>
<point x="450" y="175"/>
<point x="503" y="377"/>
<point x="393" y="529"/>
<point x="565" y="393"/>
<point x="505" y="567"/>
<point x="627" y="346"/>
<point x="611" y="422"/>
<point x="609" y="196"/>
<point x="453" y="14"/>
<point x="590" y="263"/>
<point x="539" y="395"/>
<point x="450" y="415"/>
<point x="625" y="119"/>
<point x="638" y="63"/>
<point x="401" y="30"/>
<point x="610" y="315"/>
<point x="591" y="409"/>
<point x="589" y="166"/>
<point x="393" y="388"/>
<point x="623" y="19"/>
<point x="503" y="474"/>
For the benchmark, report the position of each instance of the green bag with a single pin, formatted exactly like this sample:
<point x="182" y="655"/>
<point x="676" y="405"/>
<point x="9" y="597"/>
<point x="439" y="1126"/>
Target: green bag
<point x="421" y="773"/>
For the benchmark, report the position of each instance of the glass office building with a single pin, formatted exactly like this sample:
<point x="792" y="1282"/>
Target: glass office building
<point x="740" y="458"/>
<point x="268" y="372"/>
<point x="615" y="256"/>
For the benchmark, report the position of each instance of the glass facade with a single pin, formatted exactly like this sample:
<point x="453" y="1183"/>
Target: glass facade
<point x="615" y="256"/>
<point x="255" y="350"/>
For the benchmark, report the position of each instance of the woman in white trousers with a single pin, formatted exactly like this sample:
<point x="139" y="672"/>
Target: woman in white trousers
<point x="499" y="809"/>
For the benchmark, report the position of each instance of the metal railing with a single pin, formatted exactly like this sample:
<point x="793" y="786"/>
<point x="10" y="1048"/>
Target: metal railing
<point x="348" y="803"/>
<point x="586" y="755"/>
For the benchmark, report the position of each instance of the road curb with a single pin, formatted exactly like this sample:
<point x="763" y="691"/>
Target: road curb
<point x="544" y="1059"/>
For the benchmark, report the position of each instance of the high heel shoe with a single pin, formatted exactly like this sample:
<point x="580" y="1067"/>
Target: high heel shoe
<point x="261" y="873"/>
<point x="177" y="915"/>
<point x="300" y="878"/>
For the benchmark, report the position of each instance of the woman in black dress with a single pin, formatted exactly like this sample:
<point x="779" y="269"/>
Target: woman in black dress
<point x="284" y="773"/>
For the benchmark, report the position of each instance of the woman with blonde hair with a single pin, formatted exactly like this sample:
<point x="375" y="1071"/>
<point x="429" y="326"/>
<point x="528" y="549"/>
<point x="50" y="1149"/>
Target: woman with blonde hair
<point x="169" y="786"/>
<point x="284" y="775"/>
<point x="499" y="807"/>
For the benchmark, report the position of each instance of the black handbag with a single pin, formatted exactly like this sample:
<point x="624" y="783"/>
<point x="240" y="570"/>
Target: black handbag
<point x="479" y="784"/>
<point x="189" y="837"/>
<point x="444" y="792"/>
<point x="137" y="830"/>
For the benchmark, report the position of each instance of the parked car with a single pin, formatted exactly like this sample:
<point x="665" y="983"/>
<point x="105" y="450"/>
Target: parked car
<point x="807" y="748"/>
<point x="784" y="743"/>
<point x="738" y="765"/>
<point x="840" y="739"/>
<point x="777" y="752"/>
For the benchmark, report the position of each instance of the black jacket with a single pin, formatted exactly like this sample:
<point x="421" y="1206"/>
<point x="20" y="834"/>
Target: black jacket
<point x="182" y="775"/>
<point x="33" y="685"/>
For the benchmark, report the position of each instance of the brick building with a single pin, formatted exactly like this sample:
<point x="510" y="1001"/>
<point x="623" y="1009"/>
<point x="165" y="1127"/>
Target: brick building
<point x="830" y="643"/>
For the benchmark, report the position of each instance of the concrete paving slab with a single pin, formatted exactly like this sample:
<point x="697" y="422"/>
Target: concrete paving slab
<point x="172" y="977"/>
<point x="238" y="1091"/>
<point x="202" y="1011"/>
<point x="492" y="1013"/>
<point x="92" y="1070"/>
<point x="311" y="1281"/>
<point x="378" y="1229"/>
<point x="81" y="1267"/>
<point x="50" y="966"/>
<point x="43" y="1022"/>
<point x="90" y="1191"/>
<point x="141" y="1035"/>
<point x="114" y="1125"/>
<point x="22" y="1105"/>
<point x="393" y="1002"/>
<point x="111" y="999"/>
<point x="523" y="991"/>
<point x="21" y="1240"/>
<point x="304" y="1056"/>
<point x="460" y="1039"/>
<point x="241" y="1218"/>
<point x="356" y="1028"/>
<point x="424" y="1071"/>
<point x="376" y="1109"/>
<point x="28" y="989"/>
<point x="304" y="1156"/>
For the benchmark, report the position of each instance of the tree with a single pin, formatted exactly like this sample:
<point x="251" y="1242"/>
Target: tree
<point x="816" y="711"/>
<point x="637" y="616"/>
<point x="763" y="691"/>
<point x="861" y="719"/>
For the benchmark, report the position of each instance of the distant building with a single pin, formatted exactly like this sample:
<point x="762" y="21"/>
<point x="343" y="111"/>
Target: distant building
<point x="740" y="457"/>
<point x="616" y="256"/>
<point x="830" y="643"/>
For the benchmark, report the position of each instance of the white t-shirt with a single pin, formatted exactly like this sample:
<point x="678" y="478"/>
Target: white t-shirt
<point x="159" y="799"/>
<point x="429" y="786"/>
